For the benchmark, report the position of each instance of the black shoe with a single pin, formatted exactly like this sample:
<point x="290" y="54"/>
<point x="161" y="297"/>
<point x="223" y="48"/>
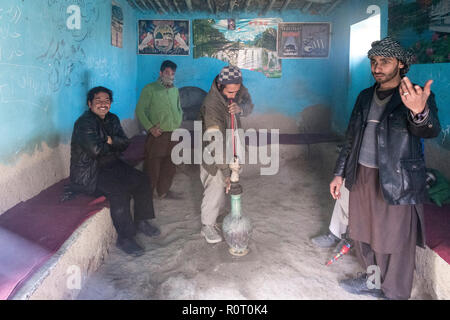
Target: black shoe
<point x="147" y="228"/>
<point x="130" y="246"/>
<point x="325" y="241"/>
<point x="359" y="286"/>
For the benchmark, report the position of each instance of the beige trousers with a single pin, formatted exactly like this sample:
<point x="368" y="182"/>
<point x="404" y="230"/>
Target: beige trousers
<point x="339" y="219"/>
<point x="214" y="197"/>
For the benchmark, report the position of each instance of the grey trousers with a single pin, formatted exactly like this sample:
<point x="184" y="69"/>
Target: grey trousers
<point x="214" y="197"/>
<point x="339" y="219"/>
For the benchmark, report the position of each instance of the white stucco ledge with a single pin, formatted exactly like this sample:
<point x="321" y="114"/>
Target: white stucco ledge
<point x="434" y="272"/>
<point x="65" y="273"/>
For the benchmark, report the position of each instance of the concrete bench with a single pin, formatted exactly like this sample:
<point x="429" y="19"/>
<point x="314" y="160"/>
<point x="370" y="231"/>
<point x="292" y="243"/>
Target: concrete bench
<point x="433" y="262"/>
<point x="46" y="244"/>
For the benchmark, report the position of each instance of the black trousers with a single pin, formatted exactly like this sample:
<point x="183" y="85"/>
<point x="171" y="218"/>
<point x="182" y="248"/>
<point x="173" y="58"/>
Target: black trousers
<point x="118" y="182"/>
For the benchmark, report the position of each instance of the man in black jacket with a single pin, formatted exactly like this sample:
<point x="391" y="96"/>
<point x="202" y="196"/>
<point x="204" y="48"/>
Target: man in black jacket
<point x="384" y="169"/>
<point x="96" y="168"/>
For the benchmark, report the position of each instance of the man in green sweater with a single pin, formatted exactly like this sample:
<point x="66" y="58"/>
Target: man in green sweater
<point x="159" y="112"/>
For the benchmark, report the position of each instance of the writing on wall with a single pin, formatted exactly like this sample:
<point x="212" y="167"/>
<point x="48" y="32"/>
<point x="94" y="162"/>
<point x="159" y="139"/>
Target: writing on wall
<point x="43" y="52"/>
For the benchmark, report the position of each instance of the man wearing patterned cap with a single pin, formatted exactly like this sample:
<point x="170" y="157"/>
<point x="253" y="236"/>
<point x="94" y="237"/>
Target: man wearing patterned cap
<point x="384" y="169"/>
<point x="227" y="96"/>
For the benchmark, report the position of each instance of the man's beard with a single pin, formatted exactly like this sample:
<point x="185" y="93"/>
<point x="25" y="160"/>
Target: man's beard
<point x="225" y="97"/>
<point x="388" y="77"/>
<point x="167" y="81"/>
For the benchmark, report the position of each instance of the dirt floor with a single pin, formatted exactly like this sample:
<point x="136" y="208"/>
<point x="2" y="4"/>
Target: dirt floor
<point x="286" y="210"/>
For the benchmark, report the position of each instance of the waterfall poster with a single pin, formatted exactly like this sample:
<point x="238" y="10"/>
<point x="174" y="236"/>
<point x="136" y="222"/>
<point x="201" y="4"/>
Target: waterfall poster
<point x="303" y="40"/>
<point x="164" y="37"/>
<point x="116" y="25"/>
<point x="423" y="27"/>
<point x="247" y="43"/>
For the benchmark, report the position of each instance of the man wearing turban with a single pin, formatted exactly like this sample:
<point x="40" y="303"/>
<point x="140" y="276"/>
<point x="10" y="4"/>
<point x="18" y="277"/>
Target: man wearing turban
<point x="227" y="98"/>
<point x="383" y="166"/>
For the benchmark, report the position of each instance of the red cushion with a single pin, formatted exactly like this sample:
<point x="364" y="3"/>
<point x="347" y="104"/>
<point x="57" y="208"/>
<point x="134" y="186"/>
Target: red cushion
<point x="437" y="228"/>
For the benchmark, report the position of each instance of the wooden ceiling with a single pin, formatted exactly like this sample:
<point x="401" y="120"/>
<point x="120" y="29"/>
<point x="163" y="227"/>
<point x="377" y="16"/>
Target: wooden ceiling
<point x="261" y="7"/>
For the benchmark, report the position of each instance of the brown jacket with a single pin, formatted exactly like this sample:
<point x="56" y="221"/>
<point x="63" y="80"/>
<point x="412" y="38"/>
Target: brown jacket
<point x="214" y="114"/>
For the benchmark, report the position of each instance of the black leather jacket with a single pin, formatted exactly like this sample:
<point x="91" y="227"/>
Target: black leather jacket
<point x="88" y="144"/>
<point x="400" y="158"/>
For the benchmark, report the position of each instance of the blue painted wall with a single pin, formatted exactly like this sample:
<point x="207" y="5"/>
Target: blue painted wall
<point x="440" y="73"/>
<point x="47" y="69"/>
<point x="344" y="95"/>
<point x="304" y="82"/>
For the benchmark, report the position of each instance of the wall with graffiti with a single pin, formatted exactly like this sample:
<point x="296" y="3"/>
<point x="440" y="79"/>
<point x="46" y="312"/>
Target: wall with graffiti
<point x="51" y="53"/>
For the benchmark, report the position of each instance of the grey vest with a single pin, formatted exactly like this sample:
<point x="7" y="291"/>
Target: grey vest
<point x="368" y="155"/>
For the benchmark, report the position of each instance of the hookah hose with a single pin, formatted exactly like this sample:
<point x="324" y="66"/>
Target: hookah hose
<point x="230" y="101"/>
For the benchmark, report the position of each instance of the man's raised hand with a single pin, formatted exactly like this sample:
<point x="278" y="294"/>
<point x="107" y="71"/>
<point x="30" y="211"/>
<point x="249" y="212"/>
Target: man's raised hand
<point x="414" y="97"/>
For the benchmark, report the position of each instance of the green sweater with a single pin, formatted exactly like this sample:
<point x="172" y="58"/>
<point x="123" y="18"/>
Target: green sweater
<point x="158" y="104"/>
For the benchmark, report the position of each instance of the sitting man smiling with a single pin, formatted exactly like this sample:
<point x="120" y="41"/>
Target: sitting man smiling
<point x="96" y="168"/>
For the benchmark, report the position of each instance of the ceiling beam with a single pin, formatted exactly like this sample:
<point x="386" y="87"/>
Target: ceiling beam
<point x="168" y="5"/>
<point x="138" y="7"/>
<point x="285" y="4"/>
<point x="210" y="6"/>
<point x="247" y="4"/>
<point x="176" y="6"/>
<point x="268" y="8"/>
<point x="216" y="7"/>
<point x="131" y="3"/>
<point x="333" y="6"/>
<point x="143" y="5"/>
<point x="160" y="7"/>
<point x="189" y="5"/>
<point x="306" y="6"/>
<point x="149" y="3"/>
<point x="232" y="4"/>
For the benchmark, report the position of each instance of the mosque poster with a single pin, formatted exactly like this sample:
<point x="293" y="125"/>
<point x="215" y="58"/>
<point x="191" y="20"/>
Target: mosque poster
<point x="246" y="43"/>
<point x="303" y="40"/>
<point x="163" y="37"/>
<point x="422" y="26"/>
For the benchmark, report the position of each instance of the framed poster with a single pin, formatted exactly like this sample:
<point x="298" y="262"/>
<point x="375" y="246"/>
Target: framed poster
<point x="163" y="37"/>
<point x="303" y="40"/>
<point x="289" y="40"/>
<point x="246" y="43"/>
<point x="116" y="25"/>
